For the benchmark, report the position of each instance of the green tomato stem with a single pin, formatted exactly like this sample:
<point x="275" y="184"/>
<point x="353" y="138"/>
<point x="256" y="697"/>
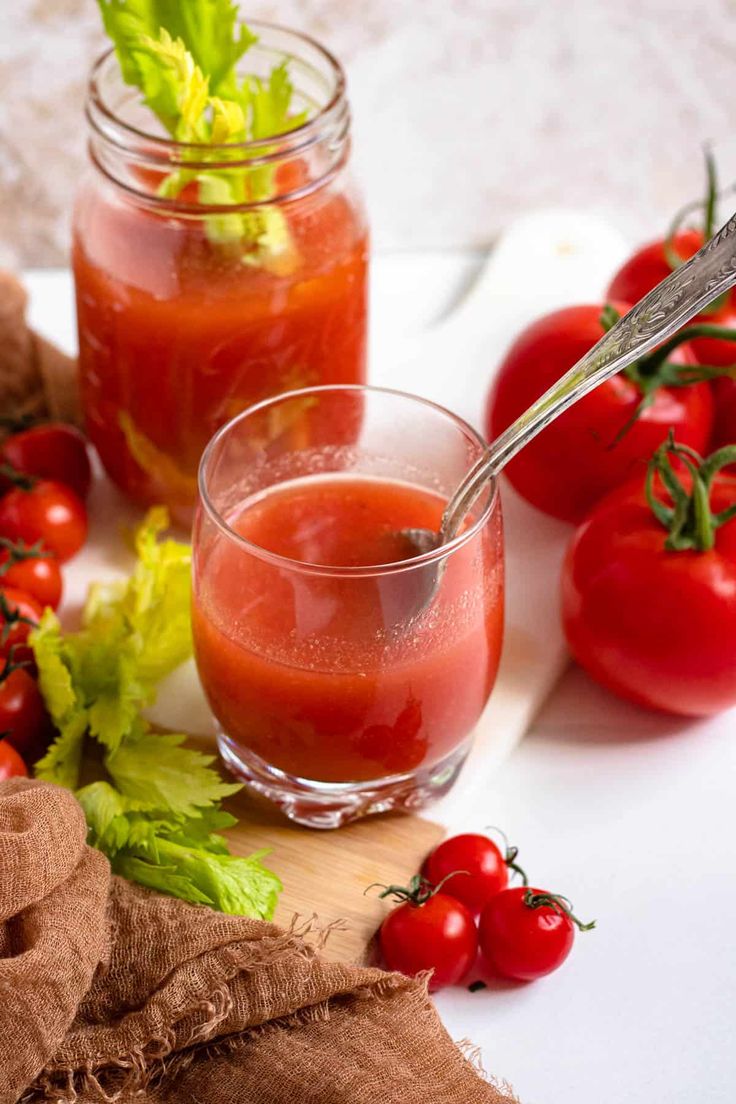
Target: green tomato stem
<point x="557" y="902"/>
<point x="690" y="522"/>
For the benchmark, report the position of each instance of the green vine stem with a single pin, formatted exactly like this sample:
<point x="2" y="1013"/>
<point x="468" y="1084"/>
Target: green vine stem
<point x="656" y="370"/>
<point x="17" y="478"/>
<point x="11" y="618"/>
<point x="18" y="552"/>
<point x="417" y="893"/>
<point x="511" y="863"/>
<point x="689" y="521"/>
<point x="510" y="854"/>
<point x="691" y="333"/>
<point x="557" y="902"/>
<point x="709" y="207"/>
<point x="11" y="664"/>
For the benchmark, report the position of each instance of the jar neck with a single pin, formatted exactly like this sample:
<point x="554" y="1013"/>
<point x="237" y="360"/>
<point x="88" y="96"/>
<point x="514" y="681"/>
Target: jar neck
<point x="125" y="147"/>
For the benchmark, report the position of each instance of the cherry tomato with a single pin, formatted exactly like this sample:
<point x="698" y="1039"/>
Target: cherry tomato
<point x="430" y="932"/>
<point x="53" y="451"/>
<point x="587" y="451"/>
<point x="23" y="716"/>
<point x="526" y="933"/>
<point x="19" y="615"/>
<point x="32" y="569"/>
<point x="649" y="266"/>
<point x="11" y="764"/>
<point x="655" y="625"/>
<point x="45" y="511"/>
<point x="471" y="869"/>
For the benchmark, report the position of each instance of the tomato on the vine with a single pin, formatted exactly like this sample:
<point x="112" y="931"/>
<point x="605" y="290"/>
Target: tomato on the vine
<point x="31" y="568"/>
<point x="608" y="435"/>
<point x="649" y="266"/>
<point x="649" y="586"/>
<point x="526" y="933"/>
<point x="429" y="930"/>
<point x="52" y="451"/>
<point x="44" y="510"/>
<point x="471" y="868"/>
<point x="11" y="764"/>
<point x="654" y="262"/>
<point x="23" y="716"/>
<point x="19" y="615"/>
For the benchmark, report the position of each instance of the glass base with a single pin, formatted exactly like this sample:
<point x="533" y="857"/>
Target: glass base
<point x="332" y="804"/>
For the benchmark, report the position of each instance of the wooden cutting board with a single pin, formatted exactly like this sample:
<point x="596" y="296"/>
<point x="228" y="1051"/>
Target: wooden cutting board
<point x="325" y="873"/>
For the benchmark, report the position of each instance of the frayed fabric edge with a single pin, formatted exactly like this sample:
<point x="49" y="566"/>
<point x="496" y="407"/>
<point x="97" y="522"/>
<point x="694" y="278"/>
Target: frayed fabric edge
<point x="473" y="1055"/>
<point x="110" y="1079"/>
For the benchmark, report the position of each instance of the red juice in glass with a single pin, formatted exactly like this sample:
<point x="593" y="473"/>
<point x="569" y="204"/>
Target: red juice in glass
<point x="334" y="693"/>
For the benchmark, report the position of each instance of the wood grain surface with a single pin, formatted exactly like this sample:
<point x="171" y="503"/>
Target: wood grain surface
<point x="326" y="873"/>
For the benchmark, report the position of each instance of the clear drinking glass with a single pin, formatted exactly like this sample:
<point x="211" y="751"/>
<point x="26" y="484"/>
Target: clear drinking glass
<point x="336" y="695"/>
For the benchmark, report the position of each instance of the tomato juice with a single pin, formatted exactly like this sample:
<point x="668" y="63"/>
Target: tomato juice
<point x="305" y="640"/>
<point x="177" y="334"/>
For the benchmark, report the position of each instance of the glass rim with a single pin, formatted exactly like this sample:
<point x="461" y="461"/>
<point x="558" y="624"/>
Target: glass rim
<point x="363" y="570"/>
<point x="305" y="135"/>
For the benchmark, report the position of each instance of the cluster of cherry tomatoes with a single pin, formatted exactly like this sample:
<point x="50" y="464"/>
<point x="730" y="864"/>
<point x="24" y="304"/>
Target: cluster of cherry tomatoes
<point x="461" y="910"/>
<point x="44" y="479"/>
<point x="649" y="613"/>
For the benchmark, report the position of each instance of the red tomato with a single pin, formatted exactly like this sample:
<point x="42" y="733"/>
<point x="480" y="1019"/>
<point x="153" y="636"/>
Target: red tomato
<point x="31" y="569"/>
<point x="577" y="459"/>
<point x="470" y="868"/>
<point x="436" y="934"/>
<point x="714" y="350"/>
<point x="52" y="451"/>
<point x="11" y="764"/>
<point x="47" y="511"/>
<point x="655" y="626"/>
<point x="23" y="716"/>
<point x="526" y="933"/>
<point x="19" y="615"/>
<point x="724" y="430"/>
<point x="649" y="266"/>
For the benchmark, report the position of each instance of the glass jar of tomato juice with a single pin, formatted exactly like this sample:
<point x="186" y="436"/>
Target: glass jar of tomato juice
<point x="183" y="323"/>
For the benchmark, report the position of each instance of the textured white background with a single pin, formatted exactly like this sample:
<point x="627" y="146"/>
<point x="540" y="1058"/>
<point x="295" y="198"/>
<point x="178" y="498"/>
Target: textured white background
<point x="467" y="111"/>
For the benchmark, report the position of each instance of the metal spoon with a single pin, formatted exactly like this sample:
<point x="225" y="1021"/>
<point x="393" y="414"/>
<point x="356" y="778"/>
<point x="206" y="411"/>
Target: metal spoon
<point x="657" y="316"/>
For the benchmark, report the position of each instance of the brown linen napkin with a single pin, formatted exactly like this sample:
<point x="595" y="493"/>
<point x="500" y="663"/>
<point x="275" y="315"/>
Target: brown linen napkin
<point x="36" y="378"/>
<point x="111" y="993"/>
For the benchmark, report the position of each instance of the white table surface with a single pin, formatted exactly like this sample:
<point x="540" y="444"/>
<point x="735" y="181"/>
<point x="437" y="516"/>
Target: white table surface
<point x="633" y="816"/>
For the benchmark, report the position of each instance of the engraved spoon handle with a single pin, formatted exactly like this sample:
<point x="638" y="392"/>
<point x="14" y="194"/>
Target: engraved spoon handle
<point x="657" y="316"/>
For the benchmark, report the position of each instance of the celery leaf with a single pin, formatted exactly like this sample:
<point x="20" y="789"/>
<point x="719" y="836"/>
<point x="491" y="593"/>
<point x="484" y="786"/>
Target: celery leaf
<point x="155" y="770"/>
<point x="183" y="56"/>
<point x="155" y="813"/>
<point x="239" y="886"/>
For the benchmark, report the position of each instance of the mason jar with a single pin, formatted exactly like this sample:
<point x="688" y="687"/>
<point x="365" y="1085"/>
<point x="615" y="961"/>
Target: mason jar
<point x="192" y="307"/>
